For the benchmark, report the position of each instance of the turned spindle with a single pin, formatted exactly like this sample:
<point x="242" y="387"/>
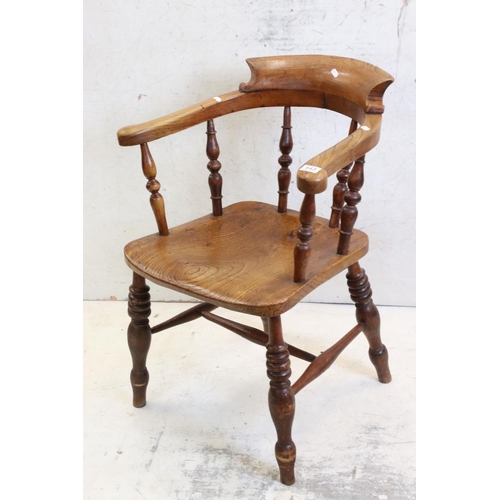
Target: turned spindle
<point x="341" y="188"/>
<point x="214" y="179"/>
<point x="281" y="400"/>
<point x="304" y="232"/>
<point x="339" y="192"/>
<point x="285" y="160"/>
<point x="139" y="337"/>
<point x="153" y="186"/>
<point x="350" y="211"/>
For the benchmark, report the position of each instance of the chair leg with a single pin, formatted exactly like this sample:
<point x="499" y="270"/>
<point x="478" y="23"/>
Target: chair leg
<point x="265" y="324"/>
<point x="281" y="399"/>
<point x="139" y="337"/>
<point x="367" y="313"/>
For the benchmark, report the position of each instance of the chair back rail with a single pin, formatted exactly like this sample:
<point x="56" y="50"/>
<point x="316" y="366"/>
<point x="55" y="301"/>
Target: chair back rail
<point x="348" y="86"/>
<point x="341" y="187"/>
<point x="350" y="79"/>
<point x="350" y="211"/>
<point x="302" y="250"/>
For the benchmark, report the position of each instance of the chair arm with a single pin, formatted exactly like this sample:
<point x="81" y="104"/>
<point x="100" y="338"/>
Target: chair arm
<point x="177" y="121"/>
<point x="312" y="177"/>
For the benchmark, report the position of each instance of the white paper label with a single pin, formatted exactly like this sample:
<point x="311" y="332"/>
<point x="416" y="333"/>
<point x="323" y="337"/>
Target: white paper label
<point x="310" y="168"/>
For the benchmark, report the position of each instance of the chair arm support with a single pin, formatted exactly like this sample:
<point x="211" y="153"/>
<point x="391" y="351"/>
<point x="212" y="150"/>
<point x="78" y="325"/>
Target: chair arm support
<point x="312" y="176"/>
<point x="302" y="249"/>
<point x="214" y="107"/>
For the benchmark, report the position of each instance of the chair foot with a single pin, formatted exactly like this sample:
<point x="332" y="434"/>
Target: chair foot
<point x="367" y="314"/>
<point x="139" y="386"/>
<point x="281" y="400"/>
<point x="286" y="463"/>
<point x="139" y="337"/>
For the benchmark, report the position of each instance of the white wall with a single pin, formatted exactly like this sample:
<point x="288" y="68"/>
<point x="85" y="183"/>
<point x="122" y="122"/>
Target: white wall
<point x="144" y="59"/>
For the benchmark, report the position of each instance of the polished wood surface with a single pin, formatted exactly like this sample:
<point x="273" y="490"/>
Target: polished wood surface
<point x="350" y="79"/>
<point x="285" y="160"/>
<point x="326" y="359"/>
<point x="340" y="188"/>
<point x="281" y="399"/>
<point x="262" y="259"/>
<point x="302" y="251"/>
<point x="211" y="108"/>
<point x="139" y="337"/>
<point x="349" y="212"/>
<point x="153" y="186"/>
<point x="367" y="315"/>
<point x="215" y="178"/>
<point x="191" y="314"/>
<point x="243" y="260"/>
<point x="356" y="91"/>
<point x="339" y="192"/>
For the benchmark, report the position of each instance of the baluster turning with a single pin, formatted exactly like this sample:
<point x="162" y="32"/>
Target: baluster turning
<point x="214" y="179"/>
<point x="285" y="160"/>
<point x="341" y="188"/>
<point x="153" y="186"/>
<point x="350" y="211"/>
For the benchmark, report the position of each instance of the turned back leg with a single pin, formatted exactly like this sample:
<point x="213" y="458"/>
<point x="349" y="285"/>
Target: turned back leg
<point x="367" y="314"/>
<point x="139" y="337"/>
<point x="281" y="399"/>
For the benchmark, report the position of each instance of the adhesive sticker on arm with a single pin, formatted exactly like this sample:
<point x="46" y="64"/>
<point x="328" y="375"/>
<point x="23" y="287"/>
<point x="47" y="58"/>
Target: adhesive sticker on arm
<point x="310" y="168"/>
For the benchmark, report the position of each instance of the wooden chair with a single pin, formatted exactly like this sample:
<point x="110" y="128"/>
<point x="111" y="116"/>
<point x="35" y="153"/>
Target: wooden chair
<point x="258" y="258"/>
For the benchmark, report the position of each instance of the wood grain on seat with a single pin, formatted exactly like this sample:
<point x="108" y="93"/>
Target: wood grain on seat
<point x="243" y="260"/>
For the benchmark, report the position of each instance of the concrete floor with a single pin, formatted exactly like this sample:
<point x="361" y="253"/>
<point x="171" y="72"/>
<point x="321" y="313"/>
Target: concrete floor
<point x="206" y="432"/>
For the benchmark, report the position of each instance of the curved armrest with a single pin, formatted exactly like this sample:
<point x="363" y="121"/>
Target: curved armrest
<point x="213" y="108"/>
<point x="175" y="122"/>
<point x="352" y="87"/>
<point x="312" y="177"/>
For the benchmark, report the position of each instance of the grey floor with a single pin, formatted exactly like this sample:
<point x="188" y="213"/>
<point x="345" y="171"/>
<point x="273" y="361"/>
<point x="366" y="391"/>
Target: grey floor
<point x="206" y="432"/>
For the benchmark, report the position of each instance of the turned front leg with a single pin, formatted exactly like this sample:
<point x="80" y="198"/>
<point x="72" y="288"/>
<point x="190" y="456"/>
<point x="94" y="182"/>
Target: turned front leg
<point x="367" y="314"/>
<point x="281" y="399"/>
<point x="139" y="337"/>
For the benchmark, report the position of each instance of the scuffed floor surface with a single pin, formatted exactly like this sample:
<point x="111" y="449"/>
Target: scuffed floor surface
<point x="206" y="432"/>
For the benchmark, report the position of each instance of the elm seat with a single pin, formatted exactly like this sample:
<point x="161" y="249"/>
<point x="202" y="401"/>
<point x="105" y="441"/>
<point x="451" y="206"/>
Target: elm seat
<point x="259" y="258"/>
<point x="227" y="265"/>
